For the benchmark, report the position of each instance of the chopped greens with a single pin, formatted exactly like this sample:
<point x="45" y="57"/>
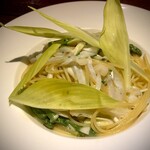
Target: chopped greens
<point x="135" y="50"/>
<point x="50" y="119"/>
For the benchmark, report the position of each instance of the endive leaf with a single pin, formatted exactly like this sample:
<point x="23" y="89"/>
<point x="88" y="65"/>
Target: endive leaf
<point x="39" y="31"/>
<point x="114" y="38"/>
<point x="35" y="68"/>
<point x="61" y="94"/>
<point x="75" y="31"/>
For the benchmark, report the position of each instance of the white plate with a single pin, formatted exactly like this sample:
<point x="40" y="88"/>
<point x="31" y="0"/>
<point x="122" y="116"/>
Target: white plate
<point x="17" y="131"/>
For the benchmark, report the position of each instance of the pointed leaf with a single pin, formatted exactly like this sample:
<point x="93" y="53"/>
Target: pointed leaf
<point x="36" y="67"/>
<point x="39" y="31"/>
<point x="75" y="31"/>
<point x="114" y="38"/>
<point x="61" y="94"/>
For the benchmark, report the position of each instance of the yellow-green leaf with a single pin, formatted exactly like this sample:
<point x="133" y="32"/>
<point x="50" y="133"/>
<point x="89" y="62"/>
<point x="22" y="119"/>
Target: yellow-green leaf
<point x="61" y="94"/>
<point x="35" y="68"/>
<point x="75" y="31"/>
<point x="39" y="31"/>
<point x="114" y="38"/>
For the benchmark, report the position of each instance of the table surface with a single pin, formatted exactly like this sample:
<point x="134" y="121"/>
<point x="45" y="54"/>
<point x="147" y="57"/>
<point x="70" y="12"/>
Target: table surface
<point x="10" y="9"/>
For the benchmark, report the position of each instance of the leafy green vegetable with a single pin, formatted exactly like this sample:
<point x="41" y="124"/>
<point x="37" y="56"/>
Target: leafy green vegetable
<point x="38" y="31"/>
<point x="50" y="119"/>
<point x="43" y="118"/>
<point x="114" y="38"/>
<point x="61" y="94"/>
<point x="135" y="50"/>
<point x="35" y="68"/>
<point x="75" y="31"/>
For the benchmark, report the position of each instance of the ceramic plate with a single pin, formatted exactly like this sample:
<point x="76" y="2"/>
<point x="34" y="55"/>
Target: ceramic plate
<point x="17" y="130"/>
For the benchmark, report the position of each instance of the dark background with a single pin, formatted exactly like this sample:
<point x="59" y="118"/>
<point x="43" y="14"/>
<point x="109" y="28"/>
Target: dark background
<point x="10" y="9"/>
